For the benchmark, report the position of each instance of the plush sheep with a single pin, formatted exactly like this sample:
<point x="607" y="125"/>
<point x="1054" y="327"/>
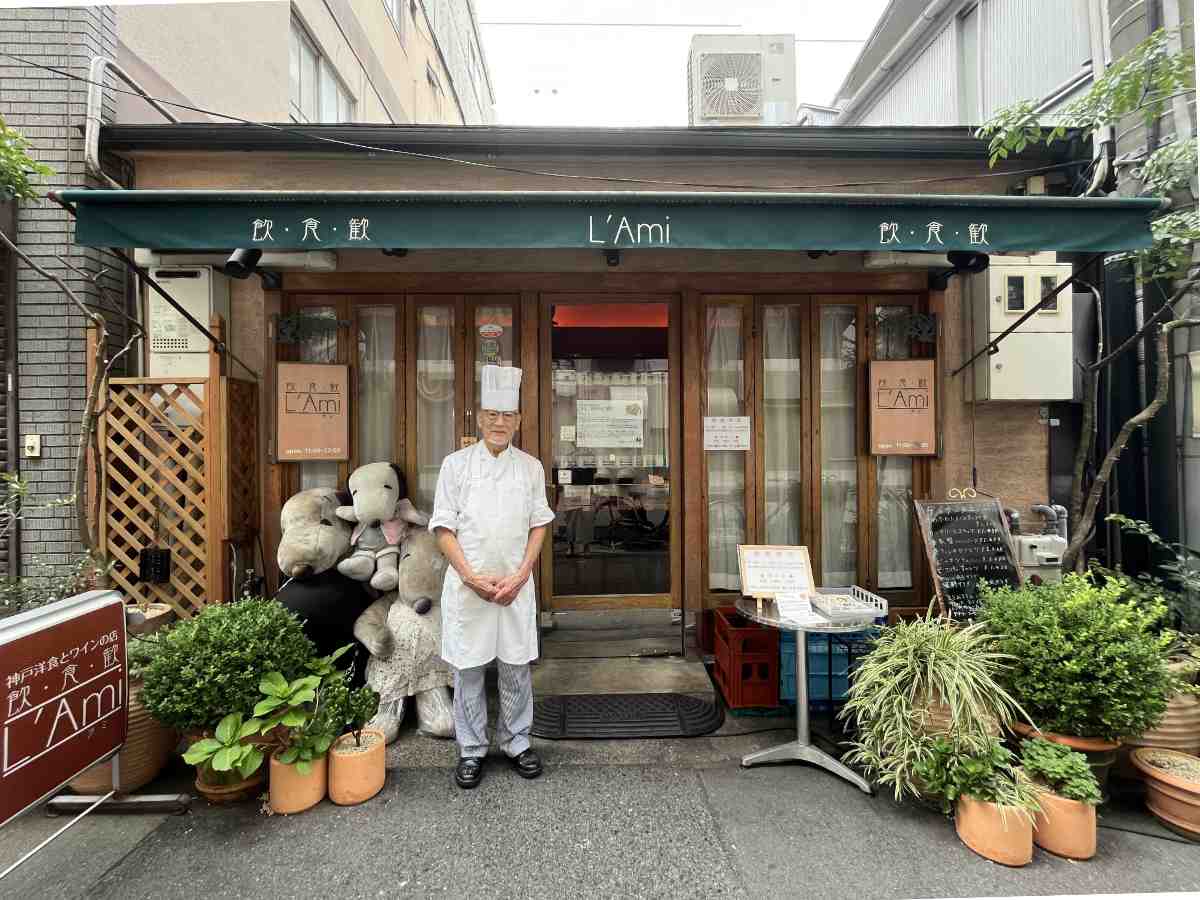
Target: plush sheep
<point x="411" y="618"/>
<point x="326" y="601"/>
<point x="382" y="514"/>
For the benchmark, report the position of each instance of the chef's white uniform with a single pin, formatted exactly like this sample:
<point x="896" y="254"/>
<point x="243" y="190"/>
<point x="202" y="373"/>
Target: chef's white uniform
<point x="490" y="503"/>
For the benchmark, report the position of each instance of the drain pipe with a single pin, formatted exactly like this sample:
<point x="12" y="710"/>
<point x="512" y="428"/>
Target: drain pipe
<point x="101" y="65"/>
<point x="1051" y="517"/>
<point x="1062" y="520"/>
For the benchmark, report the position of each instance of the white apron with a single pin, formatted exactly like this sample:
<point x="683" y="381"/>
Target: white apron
<point x="493" y="531"/>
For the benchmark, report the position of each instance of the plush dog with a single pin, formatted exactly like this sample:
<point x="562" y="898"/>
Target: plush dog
<point x="410" y="620"/>
<point x="382" y="515"/>
<point x="326" y="601"/>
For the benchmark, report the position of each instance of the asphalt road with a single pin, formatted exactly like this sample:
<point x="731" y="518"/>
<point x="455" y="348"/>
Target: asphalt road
<point x="608" y="819"/>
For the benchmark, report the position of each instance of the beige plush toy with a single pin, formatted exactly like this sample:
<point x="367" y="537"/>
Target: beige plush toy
<point x="411" y="618"/>
<point x="382" y="514"/>
<point x="313" y="538"/>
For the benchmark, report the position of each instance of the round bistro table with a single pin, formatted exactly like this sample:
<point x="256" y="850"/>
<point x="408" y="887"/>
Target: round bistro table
<point x="802" y="749"/>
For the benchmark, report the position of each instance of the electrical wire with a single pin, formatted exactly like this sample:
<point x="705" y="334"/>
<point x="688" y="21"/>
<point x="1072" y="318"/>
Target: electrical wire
<point x="614" y="179"/>
<point x="1158" y="837"/>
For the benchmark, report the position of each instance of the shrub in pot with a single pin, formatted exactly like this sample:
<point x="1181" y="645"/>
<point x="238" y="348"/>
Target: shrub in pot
<point x="902" y="690"/>
<point x="210" y="666"/>
<point x="993" y="801"/>
<point x="148" y="743"/>
<point x="356" y="760"/>
<point x="1066" y="825"/>
<point x="1088" y="667"/>
<point x="227" y="765"/>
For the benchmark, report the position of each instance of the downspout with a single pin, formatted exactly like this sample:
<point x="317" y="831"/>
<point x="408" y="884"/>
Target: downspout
<point x="99" y="66"/>
<point x="893" y="59"/>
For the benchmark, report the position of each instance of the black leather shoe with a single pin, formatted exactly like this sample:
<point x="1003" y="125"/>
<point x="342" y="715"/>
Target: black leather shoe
<point x="469" y="772"/>
<point x="527" y="764"/>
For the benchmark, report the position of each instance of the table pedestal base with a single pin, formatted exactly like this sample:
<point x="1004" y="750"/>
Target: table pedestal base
<point x="795" y="751"/>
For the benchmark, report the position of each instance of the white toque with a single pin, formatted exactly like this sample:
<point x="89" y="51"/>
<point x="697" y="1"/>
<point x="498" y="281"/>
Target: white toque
<point x="500" y="388"/>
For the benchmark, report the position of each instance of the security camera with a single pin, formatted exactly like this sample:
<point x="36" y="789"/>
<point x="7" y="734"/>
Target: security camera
<point x="241" y="263"/>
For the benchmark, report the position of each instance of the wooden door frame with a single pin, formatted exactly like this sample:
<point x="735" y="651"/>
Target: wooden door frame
<point x="674" y="598"/>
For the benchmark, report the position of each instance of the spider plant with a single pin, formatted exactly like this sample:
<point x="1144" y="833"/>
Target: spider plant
<point x="914" y="671"/>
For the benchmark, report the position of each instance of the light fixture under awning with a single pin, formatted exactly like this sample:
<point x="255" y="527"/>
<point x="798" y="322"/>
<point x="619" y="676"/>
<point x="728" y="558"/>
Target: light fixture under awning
<point x="422" y="220"/>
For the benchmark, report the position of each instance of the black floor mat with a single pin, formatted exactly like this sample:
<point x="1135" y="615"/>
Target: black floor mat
<point x="625" y="716"/>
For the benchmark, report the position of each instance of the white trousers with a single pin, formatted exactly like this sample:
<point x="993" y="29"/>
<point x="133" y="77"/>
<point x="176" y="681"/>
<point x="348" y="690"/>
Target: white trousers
<point x="470" y="709"/>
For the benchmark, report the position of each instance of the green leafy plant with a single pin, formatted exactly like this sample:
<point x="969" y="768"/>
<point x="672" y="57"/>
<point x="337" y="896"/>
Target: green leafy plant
<point x="1179" y="585"/>
<point x="1084" y="662"/>
<point x="211" y="665"/>
<point x="227" y="752"/>
<point x="1060" y="769"/>
<point x="953" y="770"/>
<point x="17" y="167"/>
<point x="361" y="708"/>
<point x="914" y="671"/>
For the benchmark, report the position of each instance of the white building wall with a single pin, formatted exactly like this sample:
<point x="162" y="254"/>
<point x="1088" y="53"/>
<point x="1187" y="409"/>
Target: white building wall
<point x="1031" y="47"/>
<point x="925" y="93"/>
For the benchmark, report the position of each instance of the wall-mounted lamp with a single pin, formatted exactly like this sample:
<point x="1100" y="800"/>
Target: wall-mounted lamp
<point x="612" y="257"/>
<point x="242" y="262"/>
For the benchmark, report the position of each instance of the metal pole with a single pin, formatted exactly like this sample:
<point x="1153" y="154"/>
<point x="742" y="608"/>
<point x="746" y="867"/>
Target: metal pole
<point x="31" y="853"/>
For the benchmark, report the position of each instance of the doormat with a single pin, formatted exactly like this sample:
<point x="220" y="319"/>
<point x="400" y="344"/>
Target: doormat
<point x="609" y="716"/>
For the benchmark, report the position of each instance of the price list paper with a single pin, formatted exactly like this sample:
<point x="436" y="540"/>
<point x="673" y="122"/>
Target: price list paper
<point x="966" y="542"/>
<point x="768" y="570"/>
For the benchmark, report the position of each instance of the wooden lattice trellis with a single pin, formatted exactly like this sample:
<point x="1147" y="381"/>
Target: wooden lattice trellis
<point x="178" y="469"/>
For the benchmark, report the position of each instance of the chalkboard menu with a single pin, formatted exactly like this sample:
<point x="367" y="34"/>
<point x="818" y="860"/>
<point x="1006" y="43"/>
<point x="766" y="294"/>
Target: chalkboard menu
<point x="966" y="541"/>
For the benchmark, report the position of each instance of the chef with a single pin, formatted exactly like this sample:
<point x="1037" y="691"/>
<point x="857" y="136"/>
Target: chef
<point x="490" y="516"/>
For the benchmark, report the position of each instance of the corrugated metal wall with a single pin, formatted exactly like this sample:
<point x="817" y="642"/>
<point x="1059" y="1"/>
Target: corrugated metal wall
<point x="925" y="93"/>
<point x="1031" y="47"/>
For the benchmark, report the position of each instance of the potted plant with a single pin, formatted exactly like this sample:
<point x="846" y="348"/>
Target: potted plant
<point x="1088" y="667"/>
<point x="210" y="666"/>
<point x="922" y="679"/>
<point x="1066" y="825"/>
<point x="227" y="764"/>
<point x="1179" y="727"/>
<point x="993" y="800"/>
<point x="148" y="743"/>
<point x="1172" y="788"/>
<point x="356" y="760"/>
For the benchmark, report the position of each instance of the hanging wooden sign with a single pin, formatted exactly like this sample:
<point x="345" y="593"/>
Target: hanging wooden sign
<point x="966" y="541"/>
<point x="903" y="407"/>
<point x="312" y="412"/>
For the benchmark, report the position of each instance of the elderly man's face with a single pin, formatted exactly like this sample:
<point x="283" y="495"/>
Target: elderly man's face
<point x="498" y="428"/>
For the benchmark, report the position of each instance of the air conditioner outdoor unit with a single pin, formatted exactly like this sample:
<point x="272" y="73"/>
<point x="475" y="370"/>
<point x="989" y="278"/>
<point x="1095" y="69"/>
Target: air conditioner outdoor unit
<point x="731" y="85"/>
<point x="176" y="348"/>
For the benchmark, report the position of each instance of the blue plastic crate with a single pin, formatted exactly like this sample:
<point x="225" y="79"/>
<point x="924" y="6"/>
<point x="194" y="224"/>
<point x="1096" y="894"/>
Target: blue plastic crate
<point x="820" y="658"/>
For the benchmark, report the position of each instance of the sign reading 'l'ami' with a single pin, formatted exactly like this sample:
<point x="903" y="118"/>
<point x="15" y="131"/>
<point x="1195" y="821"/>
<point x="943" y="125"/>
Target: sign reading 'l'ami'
<point x="966" y="542"/>
<point x="312" y="412"/>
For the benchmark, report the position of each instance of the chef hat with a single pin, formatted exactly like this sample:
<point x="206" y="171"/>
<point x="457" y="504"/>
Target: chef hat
<point x="501" y="388"/>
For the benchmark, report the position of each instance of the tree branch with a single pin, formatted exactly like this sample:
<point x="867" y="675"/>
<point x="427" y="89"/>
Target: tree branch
<point x="1141" y="420"/>
<point x="1089" y="423"/>
<point x="1166" y="309"/>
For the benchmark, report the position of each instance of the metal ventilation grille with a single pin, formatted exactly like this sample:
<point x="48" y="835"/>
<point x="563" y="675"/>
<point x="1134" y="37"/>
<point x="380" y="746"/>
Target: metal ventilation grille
<point x="169" y="344"/>
<point x="731" y="85"/>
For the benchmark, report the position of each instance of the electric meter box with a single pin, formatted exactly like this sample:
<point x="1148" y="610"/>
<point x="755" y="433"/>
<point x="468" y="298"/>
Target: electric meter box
<point x="176" y="347"/>
<point x="1035" y="362"/>
<point x="1041" y="555"/>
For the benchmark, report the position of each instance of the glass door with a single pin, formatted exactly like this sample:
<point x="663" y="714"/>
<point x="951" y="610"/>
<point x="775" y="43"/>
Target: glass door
<point x="609" y="444"/>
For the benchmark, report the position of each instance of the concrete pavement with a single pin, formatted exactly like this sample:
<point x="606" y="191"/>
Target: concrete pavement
<point x="613" y="819"/>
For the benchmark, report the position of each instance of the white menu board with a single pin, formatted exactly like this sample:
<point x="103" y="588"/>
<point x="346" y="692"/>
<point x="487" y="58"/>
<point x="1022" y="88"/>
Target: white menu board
<point x="768" y="569"/>
<point x="609" y="423"/>
<point x="726" y="432"/>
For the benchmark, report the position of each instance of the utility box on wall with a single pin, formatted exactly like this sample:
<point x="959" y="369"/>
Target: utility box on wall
<point x="175" y="346"/>
<point x="1036" y="362"/>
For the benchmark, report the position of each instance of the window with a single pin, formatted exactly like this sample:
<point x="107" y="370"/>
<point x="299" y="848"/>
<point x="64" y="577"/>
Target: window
<point x="435" y="89"/>
<point x="317" y="94"/>
<point x="1049" y="283"/>
<point x="1016" y="293"/>
<point x="395" y="12"/>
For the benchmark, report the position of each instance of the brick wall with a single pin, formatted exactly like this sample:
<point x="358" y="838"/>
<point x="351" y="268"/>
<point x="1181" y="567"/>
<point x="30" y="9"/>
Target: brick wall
<point x="50" y="345"/>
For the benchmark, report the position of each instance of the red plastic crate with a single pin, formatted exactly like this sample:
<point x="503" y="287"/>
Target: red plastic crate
<point x="746" y="660"/>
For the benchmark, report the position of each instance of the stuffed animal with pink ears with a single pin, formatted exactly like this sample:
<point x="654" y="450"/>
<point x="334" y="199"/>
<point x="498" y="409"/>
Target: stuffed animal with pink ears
<point x="382" y="515"/>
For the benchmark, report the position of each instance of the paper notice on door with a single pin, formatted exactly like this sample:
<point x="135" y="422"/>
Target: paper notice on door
<point x="566" y="433"/>
<point x="609" y="423"/>
<point x="564" y="476"/>
<point x="726" y="432"/>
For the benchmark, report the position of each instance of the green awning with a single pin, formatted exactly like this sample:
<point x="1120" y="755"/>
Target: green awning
<point x="417" y="220"/>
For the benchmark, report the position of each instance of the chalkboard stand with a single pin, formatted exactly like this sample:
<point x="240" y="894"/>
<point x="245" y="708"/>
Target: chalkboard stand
<point x="996" y="555"/>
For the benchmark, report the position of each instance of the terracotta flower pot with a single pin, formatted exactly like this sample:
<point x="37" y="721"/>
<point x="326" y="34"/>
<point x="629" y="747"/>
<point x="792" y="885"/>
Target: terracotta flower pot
<point x="1178" y="729"/>
<point x="1065" y="827"/>
<point x="153" y="617"/>
<point x="937" y="717"/>
<point x="1101" y="754"/>
<point x="1004" y="838"/>
<point x="1172" y="788"/>
<point x="356" y="774"/>
<point x="148" y="746"/>
<point x="233" y="792"/>
<point x="293" y="792"/>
